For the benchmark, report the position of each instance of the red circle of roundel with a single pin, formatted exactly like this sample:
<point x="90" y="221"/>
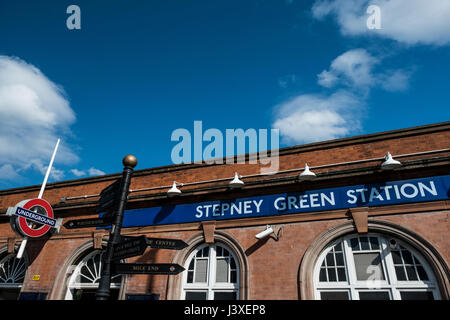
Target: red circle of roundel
<point x="23" y="221"/>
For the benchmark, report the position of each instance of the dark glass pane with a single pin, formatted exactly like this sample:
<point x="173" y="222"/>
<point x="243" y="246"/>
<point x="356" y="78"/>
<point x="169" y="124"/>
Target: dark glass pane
<point x="9" y="293"/>
<point x="232" y="263"/>
<point x="323" y="274"/>
<point x="96" y="259"/>
<point x="331" y="274"/>
<point x="219" y="251"/>
<point x="422" y="274"/>
<point x="407" y="257"/>
<point x="364" y="243"/>
<point x="85" y="276"/>
<point x="396" y="257"/>
<point x="190" y="277"/>
<point x="354" y="244"/>
<point x="412" y="276"/>
<point x="341" y="274"/>
<point x="334" y="295"/>
<point x="374" y="295"/>
<point x="400" y="272"/>
<point x="191" y="265"/>
<point x="338" y="247"/>
<point x="233" y="276"/>
<point x="330" y="259"/>
<point x="90" y="264"/>
<point x="224" y="295"/>
<point x="199" y="254"/>
<point x="205" y="251"/>
<point x="225" y="252"/>
<point x="416" y="295"/>
<point x="374" y="243"/>
<point x="339" y="259"/>
<point x="195" y="295"/>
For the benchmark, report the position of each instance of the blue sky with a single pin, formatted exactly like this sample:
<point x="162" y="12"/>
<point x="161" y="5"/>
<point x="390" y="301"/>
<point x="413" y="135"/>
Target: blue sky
<point x="138" y="70"/>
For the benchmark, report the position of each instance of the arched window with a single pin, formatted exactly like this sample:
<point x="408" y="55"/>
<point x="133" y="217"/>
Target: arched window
<point x="373" y="267"/>
<point x="212" y="273"/>
<point x="83" y="283"/>
<point x="12" y="274"/>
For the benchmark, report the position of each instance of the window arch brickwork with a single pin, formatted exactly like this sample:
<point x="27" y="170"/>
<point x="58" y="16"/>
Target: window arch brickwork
<point x="372" y="266"/>
<point x="175" y="283"/>
<point x="435" y="261"/>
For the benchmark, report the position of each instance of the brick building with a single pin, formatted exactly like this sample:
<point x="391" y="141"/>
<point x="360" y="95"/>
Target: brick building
<point x="356" y="230"/>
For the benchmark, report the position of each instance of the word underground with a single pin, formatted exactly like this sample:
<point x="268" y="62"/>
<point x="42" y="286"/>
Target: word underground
<point x="325" y="200"/>
<point x="35" y="216"/>
<point x="214" y="151"/>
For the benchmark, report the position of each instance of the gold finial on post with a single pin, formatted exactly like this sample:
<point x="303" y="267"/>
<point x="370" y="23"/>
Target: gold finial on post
<point x="129" y="161"/>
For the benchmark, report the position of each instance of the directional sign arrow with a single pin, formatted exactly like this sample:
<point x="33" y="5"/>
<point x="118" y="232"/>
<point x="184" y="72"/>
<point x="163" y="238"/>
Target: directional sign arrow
<point x="129" y="247"/>
<point x="104" y="206"/>
<point x="173" y="244"/>
<point x="140" y="268"/>
<point x="112" y="188"/>
<point x="88" y="223"/>
<point x="109" y="197"/>
<point x="161" y="243"/>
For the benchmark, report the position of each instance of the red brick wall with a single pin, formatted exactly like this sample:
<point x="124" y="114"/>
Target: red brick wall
<point x="274" y="265"/>
<point x="290" y="158"/>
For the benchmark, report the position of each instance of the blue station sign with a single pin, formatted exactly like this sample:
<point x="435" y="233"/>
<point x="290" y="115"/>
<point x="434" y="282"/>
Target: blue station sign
<point x="379" y="194"/>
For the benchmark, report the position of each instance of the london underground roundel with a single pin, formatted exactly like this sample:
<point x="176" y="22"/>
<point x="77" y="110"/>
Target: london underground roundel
<point x="32" y="217"/>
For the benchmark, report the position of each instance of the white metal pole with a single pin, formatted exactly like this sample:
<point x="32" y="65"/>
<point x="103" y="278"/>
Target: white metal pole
<point x="48" y="170"/>
<point x="41" y="192"/>
<point x="22" y="248"/>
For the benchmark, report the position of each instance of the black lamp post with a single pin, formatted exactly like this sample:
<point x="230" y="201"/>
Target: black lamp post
<point x="103" y="291"/>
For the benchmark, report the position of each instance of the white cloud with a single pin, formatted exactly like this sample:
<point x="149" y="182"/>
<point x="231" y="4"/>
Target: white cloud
<point x="313" y="117"/>
<point x="309" y="118"/>
<point x="78" y="173"/>
<point x="95" y="172"/>
<point x="355" y="69"/>
<point x="327" y="79"/>
<point x="395" y="80"/>
<point x="407" y="21"/>
<point x="38" y="165"/>
<point x="352" y="68"/>
<point x="91" y="172"/>
<point x="34" y="113"/>
<point x="7" y="172"/>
